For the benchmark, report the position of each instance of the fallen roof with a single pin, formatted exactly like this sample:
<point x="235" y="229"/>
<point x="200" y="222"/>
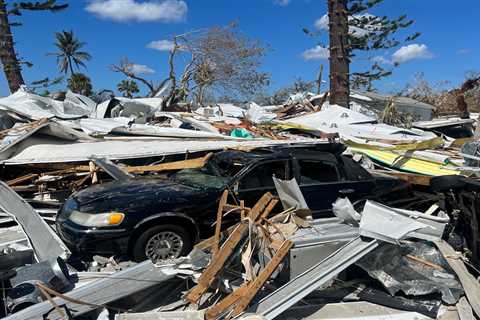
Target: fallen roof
<point x="38" y="150"/>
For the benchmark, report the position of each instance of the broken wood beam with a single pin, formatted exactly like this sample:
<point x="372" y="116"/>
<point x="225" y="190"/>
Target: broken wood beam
<point x="260" y="206"/>
<point x="416" y="179"/>
<point x="217" y="263"/>
<point x="217" y="309"/>
<point x="21" y="179"/>
<point x="264" y="275"/>
<point x="218" y="225"/>
<point x="175" y="165"/>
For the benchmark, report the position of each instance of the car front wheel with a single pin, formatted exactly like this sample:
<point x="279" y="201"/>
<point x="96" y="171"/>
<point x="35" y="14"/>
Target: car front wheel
<point x="162" y="242"/>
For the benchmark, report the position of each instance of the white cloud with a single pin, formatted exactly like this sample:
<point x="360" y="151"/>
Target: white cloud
<point x="316" y="53"/>
<point x="411" y="52"/>
<point x="133" y="10"/>
<point x="464" y="51"/>
<point x="141" y="69"/>
<point x="282" y="2"/>
<point x="381" y="60"/>
<point x="322" y="23"/>
<point x="161" y="45"/>
<point x="371" y="25"/>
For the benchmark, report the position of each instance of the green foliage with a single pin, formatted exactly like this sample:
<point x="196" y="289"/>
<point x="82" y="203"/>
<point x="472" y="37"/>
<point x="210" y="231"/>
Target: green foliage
<point x="45" y="84"/>
<point x="48" y="5"/>
<point x="80" y="83"/>
<point x="370" y="33"/>
<point x="128" y="88"/>
<point x="69" y="53"/>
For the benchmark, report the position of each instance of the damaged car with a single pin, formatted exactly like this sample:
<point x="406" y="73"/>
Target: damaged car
<point x="161" y="217"/>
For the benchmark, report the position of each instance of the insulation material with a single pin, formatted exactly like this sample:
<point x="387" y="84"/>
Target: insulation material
<point x="36" y="107"/>
<point x="415" y="268"/>
<point x="343" y="209"/>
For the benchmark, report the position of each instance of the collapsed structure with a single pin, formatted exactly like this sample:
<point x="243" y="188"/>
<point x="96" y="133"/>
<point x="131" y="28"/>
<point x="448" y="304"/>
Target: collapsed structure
<point x="369" y="259"/>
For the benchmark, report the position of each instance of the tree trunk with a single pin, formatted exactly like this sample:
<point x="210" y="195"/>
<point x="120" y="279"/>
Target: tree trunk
<point x="339" y="57"/>
<point x="11" y="65"/>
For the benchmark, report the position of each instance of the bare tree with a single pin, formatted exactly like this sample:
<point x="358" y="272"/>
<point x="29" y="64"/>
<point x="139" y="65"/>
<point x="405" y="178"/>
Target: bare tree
<point x="221" y="60"/>
<point x="126" y="68"/>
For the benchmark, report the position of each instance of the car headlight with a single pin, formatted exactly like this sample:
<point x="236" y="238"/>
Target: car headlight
<point x="106" y="219"/>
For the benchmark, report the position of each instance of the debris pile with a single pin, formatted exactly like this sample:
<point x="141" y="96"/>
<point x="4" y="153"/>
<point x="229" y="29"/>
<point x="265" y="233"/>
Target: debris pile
<point x="304" y="210"/>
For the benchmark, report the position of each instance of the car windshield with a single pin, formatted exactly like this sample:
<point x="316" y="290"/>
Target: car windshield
<point x="216" y="173"/>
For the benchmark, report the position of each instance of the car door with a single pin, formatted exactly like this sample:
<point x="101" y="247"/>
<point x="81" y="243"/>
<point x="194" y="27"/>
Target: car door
<point x="357" y="183"/>
<point x="257" y="180"/>
<point x="319" y="181"/>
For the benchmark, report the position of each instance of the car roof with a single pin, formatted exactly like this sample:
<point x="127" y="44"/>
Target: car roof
<point x="246" y="157"/>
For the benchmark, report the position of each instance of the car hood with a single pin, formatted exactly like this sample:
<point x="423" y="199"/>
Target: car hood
<point x="149" y="195"/>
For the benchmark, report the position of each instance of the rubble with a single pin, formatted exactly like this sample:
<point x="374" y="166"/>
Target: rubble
<point x="270" y="254"/>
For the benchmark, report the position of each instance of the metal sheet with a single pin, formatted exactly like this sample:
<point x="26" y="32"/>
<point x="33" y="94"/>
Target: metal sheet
<point x="44" y="241"/>
<point x="349" y="310"/>
<point x="112" y="169"/>
<point x="118" y="285"/>
<point x="171" y="315"/>
<point x="48" y="151"/>
<point x="311" y="245"/>
<point x="383" y="223"/>
<point x="297" y="289"/>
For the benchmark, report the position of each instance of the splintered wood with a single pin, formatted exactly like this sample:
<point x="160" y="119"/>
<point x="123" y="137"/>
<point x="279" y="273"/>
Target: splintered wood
<point x="217" y="263"/>
<point x="238" y="300"/>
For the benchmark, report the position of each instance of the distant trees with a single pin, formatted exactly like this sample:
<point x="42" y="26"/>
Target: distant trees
<point x="447" y="100"/>
<point x="128" y="88"/>
<point x="80" y="83"/>
<point x="298" y="86"/>
<point x="8" y="56"/>
<point x="127" y="68"/>
<point x="352" y="29"/>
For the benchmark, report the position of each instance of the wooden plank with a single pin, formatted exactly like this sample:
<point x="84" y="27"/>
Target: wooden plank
<point x="216" y="264"/>
<point x="269" y="209"/>
<point x="260" y="206"/>
<point x="175" y="165"/>
<point x="217" y="309"/>
<point x="264" y="275"/>
<point x="22" y="179"/>
<point x="412" y="178"/>
<point x="218" y="226"/>
<point x="234" y="208"/>
<point x="469" y="283"/>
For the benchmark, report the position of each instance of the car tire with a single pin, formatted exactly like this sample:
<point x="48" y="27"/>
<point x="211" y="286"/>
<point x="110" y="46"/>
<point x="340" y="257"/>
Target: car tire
<point x="172" y="241"/>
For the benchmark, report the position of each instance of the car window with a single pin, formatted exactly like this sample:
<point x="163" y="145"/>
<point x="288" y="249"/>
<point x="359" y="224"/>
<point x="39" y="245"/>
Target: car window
<point x="354" y="171"/>
<point x="314" y="172"/>
<point x="261" y="175"/>
<point x="200" y="177"/>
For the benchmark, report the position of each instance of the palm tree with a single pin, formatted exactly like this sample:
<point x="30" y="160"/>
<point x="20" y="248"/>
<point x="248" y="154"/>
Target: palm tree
<point x="80" y="83"/>
<point x="69" y="53"/>
<point x="128" y="88"/>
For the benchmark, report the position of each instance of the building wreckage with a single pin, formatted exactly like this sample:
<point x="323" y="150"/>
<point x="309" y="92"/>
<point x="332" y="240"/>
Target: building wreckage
<point x="267" y="254"/>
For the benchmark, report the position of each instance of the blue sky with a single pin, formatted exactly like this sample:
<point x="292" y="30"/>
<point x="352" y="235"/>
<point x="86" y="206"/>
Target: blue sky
<point x="113" y="29"/>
